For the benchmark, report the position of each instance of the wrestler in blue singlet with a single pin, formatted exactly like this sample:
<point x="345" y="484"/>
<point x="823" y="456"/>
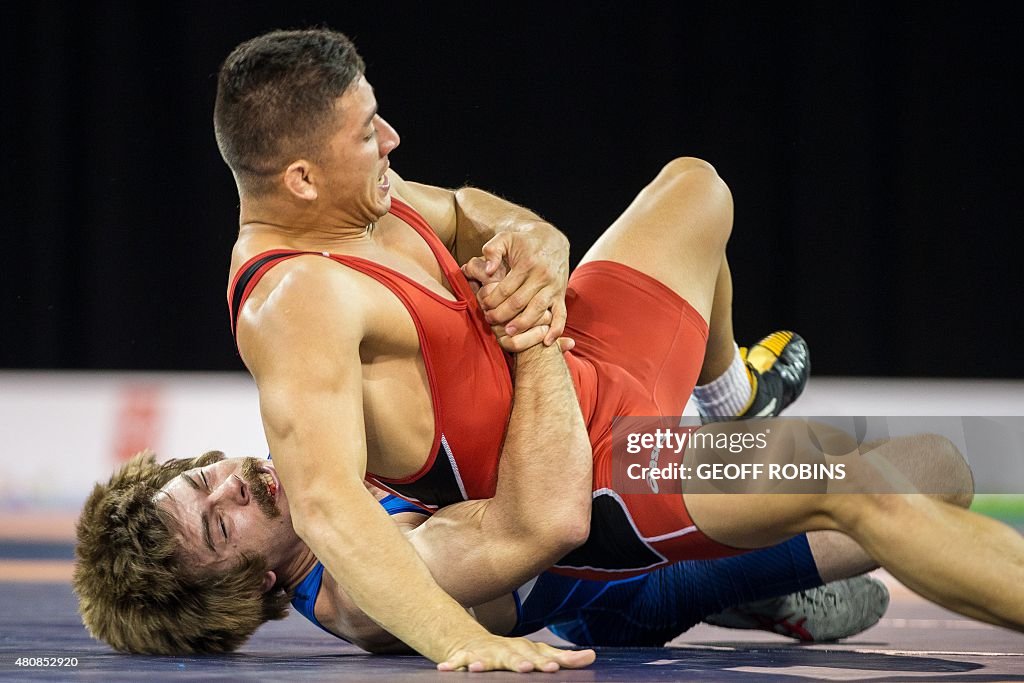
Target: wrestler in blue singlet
<point x="646" y="610"/>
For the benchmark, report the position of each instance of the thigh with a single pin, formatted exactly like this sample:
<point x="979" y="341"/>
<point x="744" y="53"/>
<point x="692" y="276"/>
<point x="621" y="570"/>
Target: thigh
<point x="621" y="317"/>
<point x="750" y="520"/>
<point x="674" y="231"/>
<point x="753" y="508"/>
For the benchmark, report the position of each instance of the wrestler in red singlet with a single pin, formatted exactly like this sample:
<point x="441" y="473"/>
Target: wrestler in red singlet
<point x="639" y="349"/>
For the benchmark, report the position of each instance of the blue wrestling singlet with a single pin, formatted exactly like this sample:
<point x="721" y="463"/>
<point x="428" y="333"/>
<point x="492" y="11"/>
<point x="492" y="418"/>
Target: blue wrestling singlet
<point x="304" y="598"/>
<point x="650" y="610"/>
<point x="647" y="610"/>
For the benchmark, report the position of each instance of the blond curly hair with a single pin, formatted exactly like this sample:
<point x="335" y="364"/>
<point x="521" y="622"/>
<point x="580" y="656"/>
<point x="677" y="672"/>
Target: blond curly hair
<point x="134" y="591"/>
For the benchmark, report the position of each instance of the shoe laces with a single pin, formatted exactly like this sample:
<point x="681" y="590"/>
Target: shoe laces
<point x="817" y="599"/>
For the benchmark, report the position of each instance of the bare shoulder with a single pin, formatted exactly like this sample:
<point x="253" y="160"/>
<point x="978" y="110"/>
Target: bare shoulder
<point x="303" y="304"/>
<point x="435" y="204"/>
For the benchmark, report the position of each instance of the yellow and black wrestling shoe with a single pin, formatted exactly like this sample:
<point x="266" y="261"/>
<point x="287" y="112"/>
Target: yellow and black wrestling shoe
<point x="779" y="366"/>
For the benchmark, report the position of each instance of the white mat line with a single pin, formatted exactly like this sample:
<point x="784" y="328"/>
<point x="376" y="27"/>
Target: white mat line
<point x="953" y="624"/>
<point x="935" y="653"/>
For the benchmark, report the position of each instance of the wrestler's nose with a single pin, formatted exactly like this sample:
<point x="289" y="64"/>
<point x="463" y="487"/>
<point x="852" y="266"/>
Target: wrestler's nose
<point x="388" y="137"/>
<point x="232" y="490"/>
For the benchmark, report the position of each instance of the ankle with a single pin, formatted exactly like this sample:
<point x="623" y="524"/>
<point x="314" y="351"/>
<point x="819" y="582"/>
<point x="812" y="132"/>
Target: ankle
<point x="729" y="393"/>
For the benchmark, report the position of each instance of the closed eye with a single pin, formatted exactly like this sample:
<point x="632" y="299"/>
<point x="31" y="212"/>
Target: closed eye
<point x="223" y="529"/>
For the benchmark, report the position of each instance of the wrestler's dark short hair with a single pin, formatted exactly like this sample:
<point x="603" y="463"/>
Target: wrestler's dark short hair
<point x="275" y="94"/>
<point x="133" y="586"/>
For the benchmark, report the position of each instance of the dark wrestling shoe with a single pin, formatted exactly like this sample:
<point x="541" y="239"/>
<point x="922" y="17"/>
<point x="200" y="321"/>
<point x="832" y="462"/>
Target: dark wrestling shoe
<point x="779" y="366"/>
<point x="836" y="610"/>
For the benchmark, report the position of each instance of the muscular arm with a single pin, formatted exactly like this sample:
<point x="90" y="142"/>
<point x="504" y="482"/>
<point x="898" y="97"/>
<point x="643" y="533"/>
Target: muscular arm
<point x="479" y="550"/>
<point x="303" y="347"/>
<point x="472" y="222"/>
<point x="480" y="215"/>
<point x="467" y="218"/>
<point x="337" y="613"/>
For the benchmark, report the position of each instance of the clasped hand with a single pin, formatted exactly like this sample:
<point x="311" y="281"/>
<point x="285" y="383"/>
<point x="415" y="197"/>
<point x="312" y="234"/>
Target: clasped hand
<point x="520" y="282"/>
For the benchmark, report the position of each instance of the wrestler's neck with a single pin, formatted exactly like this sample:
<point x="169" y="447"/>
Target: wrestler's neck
<point x="296" y="568"/>
<point x="300" y="225"/>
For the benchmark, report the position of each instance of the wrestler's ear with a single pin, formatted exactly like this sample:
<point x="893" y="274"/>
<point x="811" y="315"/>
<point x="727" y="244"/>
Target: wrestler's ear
<point x="269" y="579"/>
<point x="298" y="180"/>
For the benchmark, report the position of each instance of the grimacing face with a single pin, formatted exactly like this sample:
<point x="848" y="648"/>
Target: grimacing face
<point x="230" y="508"/>
<point x="355" y="157"/>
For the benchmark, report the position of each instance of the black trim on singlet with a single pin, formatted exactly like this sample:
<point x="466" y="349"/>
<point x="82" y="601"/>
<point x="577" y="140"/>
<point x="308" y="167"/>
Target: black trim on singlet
<point x="438" y="486"/>
<point x="613" y="543"/>
<point x="243" y="282"/>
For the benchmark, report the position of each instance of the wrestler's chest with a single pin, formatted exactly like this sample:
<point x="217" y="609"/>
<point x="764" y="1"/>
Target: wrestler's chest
<point x="398" y="415"/>
<point x="399" y="248"/>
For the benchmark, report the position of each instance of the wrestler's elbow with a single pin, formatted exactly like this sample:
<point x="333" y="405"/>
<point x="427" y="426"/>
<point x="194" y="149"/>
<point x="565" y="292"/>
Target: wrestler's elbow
<point x="550" y="535"/>
<point x="571" y="517"/>
<point x="564" y="531"/>
<point x="551" y="543"/>
<point x="576" y="532"/>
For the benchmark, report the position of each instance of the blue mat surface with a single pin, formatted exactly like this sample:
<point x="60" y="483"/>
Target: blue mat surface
<point x="39" y="620"/>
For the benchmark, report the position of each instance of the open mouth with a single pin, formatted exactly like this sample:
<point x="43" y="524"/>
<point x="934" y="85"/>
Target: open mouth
<point x="269" y="480"/>
<point x="264" y="486"/>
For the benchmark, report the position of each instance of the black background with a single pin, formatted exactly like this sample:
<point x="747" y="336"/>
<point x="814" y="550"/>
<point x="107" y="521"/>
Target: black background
<point x="874" y="152"/>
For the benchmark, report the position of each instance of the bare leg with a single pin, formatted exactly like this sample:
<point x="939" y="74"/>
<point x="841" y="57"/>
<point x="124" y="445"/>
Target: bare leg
<point x="675" y="231"/>
<point x="961" y="560"/>
<point x="721" y="344"/>
<point x="958" y="559"/>
<point x="838" y="556"/>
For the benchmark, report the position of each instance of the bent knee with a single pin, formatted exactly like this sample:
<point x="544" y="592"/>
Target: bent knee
<point x="954" y="467"/>
<point x="689" y="180"/>
<point x="688" y="171"/>
<point x="929" y="464"/>
<point x="681" y="165"/>
<point x="852" y="512"/>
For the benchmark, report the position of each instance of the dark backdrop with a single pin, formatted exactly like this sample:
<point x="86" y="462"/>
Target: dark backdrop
<point x="874" y="151"/>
